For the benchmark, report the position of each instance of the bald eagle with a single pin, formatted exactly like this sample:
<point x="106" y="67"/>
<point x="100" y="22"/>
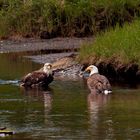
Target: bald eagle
<point x="97" y="82"/>
<point x="40" y="78"/>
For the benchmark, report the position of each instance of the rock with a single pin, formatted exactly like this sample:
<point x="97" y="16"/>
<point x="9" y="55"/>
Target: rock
<point x="64" y="62"/>
<point x="66" y="67"/>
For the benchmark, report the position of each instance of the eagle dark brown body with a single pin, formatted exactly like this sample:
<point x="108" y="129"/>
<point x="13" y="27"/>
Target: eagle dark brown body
<point x="36" y="79"/>
<point x="99" y="83"/>
<point x="41" y="78"/>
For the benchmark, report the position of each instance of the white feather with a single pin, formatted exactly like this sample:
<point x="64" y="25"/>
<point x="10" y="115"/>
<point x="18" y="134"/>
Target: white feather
<point x="107" y="92"/>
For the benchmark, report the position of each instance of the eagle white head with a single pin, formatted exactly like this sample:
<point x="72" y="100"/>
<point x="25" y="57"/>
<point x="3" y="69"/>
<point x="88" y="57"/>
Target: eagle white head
<point x="93" y="69"/>
<point x="47" y="68"/>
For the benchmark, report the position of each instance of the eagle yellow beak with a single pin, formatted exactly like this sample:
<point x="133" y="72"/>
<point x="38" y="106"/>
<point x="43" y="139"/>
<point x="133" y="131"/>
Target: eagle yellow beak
<point x="50" y="66"/>
<point x="86" y="72"/>
<point x="88" y="69"/>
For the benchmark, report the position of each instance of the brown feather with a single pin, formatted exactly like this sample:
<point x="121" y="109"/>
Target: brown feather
<point x="36" y="78"/>
<point x="98" y="82"/>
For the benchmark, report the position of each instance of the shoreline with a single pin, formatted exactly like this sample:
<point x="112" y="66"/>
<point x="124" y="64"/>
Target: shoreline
<point x="32" y="44"/>
<point x="57" y="51"/>
<point x="42" y="51"/>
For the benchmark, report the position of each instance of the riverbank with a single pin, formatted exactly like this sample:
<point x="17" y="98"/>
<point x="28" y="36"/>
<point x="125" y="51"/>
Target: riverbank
<point x="43" y="45"/>
<point x="116" y="53"/>
<point x="63" y="53"/>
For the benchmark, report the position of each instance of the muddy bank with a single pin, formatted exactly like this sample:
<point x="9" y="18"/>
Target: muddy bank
<point x="50" y="58"/>
<point x="50" y="45"/>
<point x="118" y="73"/>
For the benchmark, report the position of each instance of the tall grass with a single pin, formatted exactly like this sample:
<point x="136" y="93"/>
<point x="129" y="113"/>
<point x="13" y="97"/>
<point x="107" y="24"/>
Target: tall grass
<point x="64" y="17"/>
<point x="119" y="45"/>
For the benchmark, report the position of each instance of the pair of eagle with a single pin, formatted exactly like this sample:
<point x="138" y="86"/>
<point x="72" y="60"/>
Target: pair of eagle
<point x="43" y="77"/>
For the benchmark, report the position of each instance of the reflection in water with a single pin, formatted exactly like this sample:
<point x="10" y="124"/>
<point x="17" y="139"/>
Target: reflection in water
<point x="40" y="94"/>
<point x="96" y="103"/>
<point x="47" y="106"/>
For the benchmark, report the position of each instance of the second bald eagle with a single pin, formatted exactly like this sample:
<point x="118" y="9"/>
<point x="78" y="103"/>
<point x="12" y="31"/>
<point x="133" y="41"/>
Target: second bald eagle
<point x="97" y="82"/>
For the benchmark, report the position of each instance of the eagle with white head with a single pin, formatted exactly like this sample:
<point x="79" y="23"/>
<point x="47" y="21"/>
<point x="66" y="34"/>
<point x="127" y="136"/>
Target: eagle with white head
<point x="40" y="78"/>
<point x="97" y="82"/>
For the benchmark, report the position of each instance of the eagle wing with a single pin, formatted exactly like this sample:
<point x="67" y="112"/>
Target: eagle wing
<point x="36" y="78"/>
<point x="98" y="82"/>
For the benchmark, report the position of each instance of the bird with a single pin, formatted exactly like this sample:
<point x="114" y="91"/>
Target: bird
<point x="39" y="78"/>
<point x="96" y="82"/>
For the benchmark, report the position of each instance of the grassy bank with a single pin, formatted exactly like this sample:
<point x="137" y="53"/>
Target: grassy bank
<point x="63" y="17"/>
<point x="119" y="45"/>
<point x="116" y="53"/>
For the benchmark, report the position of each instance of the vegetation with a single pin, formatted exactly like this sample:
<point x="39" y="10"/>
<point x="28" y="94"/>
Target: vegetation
<point x="116" y="46"/>
<point x="63" y="17"/>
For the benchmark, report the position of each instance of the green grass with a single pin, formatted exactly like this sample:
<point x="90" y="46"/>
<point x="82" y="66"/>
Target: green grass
<point x="64" y="17"/>
<point x="119" y="45"/>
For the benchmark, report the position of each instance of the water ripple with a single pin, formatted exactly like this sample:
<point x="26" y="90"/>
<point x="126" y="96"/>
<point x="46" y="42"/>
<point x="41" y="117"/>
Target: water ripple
<point x="9" y="82"/>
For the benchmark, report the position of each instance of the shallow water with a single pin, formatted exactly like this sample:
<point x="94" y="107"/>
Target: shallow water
<point x="66" y="110"/>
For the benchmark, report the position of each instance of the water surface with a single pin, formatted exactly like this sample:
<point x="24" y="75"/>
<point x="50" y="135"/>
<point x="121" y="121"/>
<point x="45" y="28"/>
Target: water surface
<point x="66" y="110"/>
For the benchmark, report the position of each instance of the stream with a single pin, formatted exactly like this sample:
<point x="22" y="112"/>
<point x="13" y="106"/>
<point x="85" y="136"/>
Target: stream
<point x="66" y="110"/>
